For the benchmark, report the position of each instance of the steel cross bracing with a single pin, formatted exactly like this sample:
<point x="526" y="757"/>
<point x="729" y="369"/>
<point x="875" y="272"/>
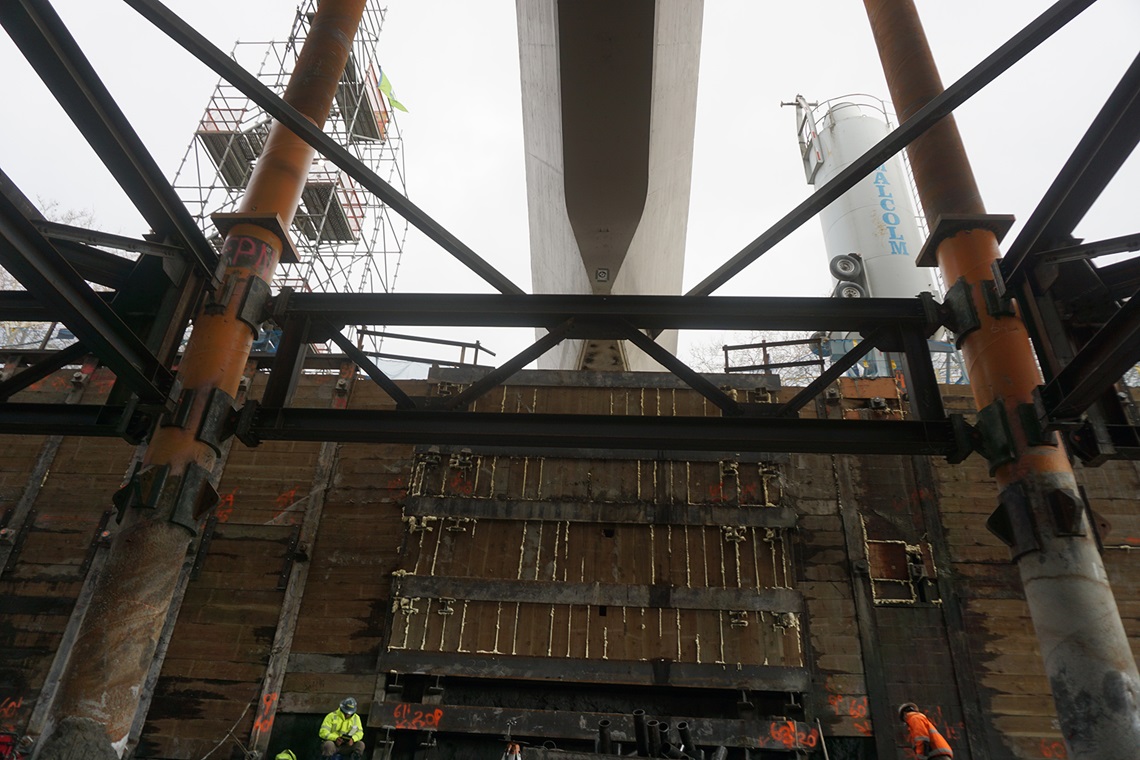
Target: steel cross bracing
<point x="1082" y="361"/>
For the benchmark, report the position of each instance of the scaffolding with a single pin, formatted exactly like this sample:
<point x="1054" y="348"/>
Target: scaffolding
<point x="347" y="240"/>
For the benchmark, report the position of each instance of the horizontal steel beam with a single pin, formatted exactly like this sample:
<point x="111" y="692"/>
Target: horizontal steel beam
<point x="1039" y="30"/>
<point x="248" y="85"/>
<point x="610" y="672"/>
<point x="762" y="734"/>
<point x="90" y="420"/>
<point x="571" y="431"/>
<point x="642" y="312"/>
<point x="599" y="594"/>
<point x="49" y="47"/>
<point x="622" y="513"/>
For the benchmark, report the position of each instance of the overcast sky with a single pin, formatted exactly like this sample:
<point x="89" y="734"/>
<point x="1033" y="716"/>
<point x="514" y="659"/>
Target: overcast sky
<point x="454" y="64"/>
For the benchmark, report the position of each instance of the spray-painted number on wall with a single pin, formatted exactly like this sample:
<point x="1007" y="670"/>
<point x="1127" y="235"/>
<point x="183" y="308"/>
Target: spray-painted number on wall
<point x="408" y="717"/>
<point x="9" y="706"/>
<point x="792" y="736"/>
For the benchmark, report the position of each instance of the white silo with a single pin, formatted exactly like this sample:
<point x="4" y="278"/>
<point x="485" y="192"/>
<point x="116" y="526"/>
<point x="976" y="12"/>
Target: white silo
<point x="875" y="219"/>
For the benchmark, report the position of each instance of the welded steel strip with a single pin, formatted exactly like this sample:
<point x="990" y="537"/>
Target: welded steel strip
<point x="627" y="513"/>
<point x="974" y="80"/>
<point x="361" y="360"/>
<point x="41" y="369"/>
<point x="497" y="376"/>
<point x="609" y="672"/>
<point x="573" y="431"/>
<point x="756" y="733"/>
<point x="248" y="85"/>
<point x="643" y="312"/>
<point x="1107" y="144"/>
<point x="49" y="47"/>
<point x="32" y="260"/>
<point x="600" y="594"/>
<point x="830" y="375"/>
<point x="1102" y="361"/>
<point x="693" y="379"/>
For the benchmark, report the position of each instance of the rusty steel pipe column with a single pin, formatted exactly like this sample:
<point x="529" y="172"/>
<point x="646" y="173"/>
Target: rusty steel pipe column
<point x="1087" y="658"/>
<point x="168" y="495"/>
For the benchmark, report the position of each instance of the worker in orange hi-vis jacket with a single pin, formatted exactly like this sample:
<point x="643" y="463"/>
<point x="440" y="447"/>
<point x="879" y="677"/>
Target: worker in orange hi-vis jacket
<point x="928" y="744"/>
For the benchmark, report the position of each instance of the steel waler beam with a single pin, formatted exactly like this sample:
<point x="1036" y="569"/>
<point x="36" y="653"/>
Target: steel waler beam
<point x="1041" y="514"/>
<point x="165" y="500"/>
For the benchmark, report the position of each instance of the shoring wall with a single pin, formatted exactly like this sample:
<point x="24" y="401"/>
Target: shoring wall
<point x="440" y="585"/>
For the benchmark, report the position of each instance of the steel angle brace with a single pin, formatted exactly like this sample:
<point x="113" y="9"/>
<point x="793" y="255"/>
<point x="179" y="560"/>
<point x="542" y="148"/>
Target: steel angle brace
<point x="689" y="376"/>
<point x="361" y="360"/>
<point x="497" y="376"/>
<point x="830" y="375"/>
<point x="41" y="369"/>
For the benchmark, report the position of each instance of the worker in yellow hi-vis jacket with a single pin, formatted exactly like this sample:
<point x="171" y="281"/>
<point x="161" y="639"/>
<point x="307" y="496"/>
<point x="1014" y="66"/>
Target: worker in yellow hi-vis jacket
<point x="342" y="733"/>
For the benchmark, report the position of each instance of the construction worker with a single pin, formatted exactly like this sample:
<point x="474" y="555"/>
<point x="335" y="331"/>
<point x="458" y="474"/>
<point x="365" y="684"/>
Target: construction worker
<point x="928" y="744"/>
<point x="342" y="733"/>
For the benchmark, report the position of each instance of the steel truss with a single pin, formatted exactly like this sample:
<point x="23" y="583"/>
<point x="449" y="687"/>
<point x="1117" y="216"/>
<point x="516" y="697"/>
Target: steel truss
<point x="1084" y="319"/>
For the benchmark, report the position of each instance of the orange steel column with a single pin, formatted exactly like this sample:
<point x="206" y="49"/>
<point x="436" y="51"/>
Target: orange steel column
<point x="1087" y="657"/>
<point x="168" y="496"/>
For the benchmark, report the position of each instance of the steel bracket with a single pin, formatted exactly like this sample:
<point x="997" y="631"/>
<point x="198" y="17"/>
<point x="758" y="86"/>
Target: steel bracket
<point x="992" y="436"/>
<point x="244" y="424"/>
<point x="192" y="493"/>
<point x="142" y="491"/>
<point x="218" y="420"/>
<point x="196" y="496"/>
<point x="998" y="304"/>
<point x="253" y="309"/>
<point x="134" y="425"/>
<point x="1030" y="416"/>
<point x="958" y="311"/>
<point x="1012" y="522"/>
<point x="181" y="412"/>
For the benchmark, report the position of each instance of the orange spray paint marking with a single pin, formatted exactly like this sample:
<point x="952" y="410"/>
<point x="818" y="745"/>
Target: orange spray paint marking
<point x="9" y="706"/>
<point x="1053" y="749"/>
<point x="460" y="484"/>
<point x="406" y="716"/>
<point x="264" y="720"/>
<point x="225" y="507"/>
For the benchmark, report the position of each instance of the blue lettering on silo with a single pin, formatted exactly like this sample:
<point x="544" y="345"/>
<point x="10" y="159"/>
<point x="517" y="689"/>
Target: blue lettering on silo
<point x="889" y="217"/>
